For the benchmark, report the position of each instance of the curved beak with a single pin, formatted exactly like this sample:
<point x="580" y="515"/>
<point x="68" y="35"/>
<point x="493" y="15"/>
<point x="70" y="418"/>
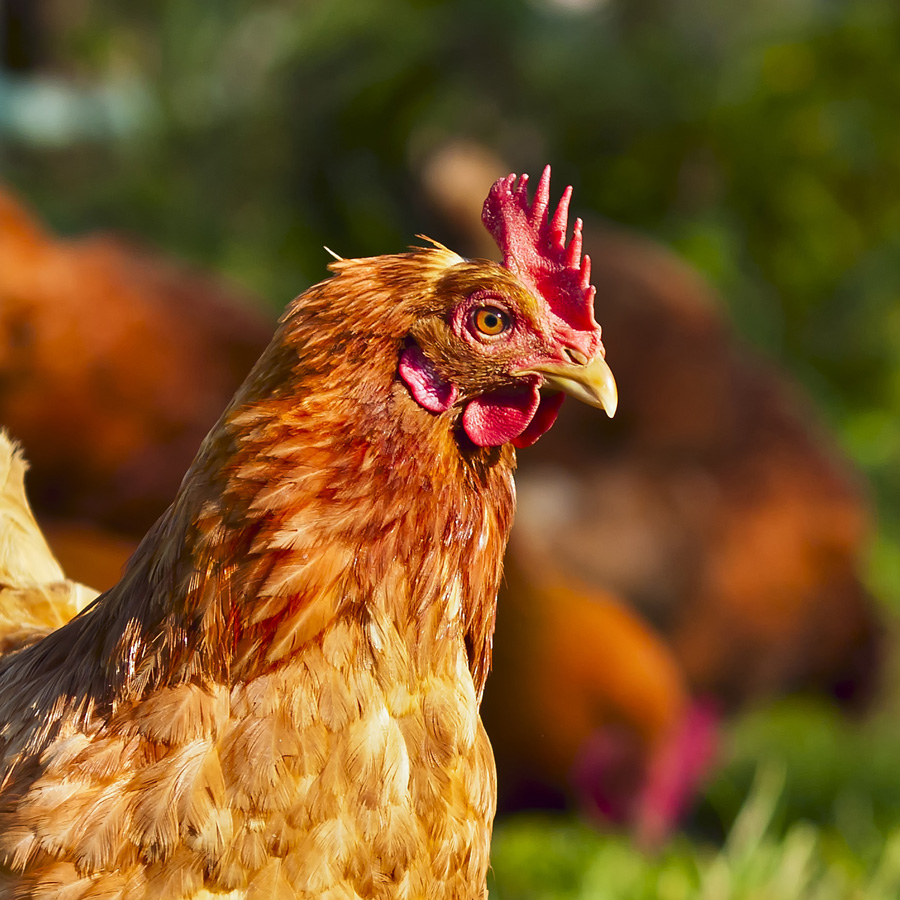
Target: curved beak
<point x="590" y="381"/>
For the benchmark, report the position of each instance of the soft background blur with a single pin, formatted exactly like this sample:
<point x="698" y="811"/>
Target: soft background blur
<point x="761" y="141"/>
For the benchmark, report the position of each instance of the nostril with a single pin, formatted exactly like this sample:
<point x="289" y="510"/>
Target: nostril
<point x="576" y="356"/>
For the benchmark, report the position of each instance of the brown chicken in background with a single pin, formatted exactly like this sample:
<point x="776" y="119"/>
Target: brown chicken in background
<point x="718" y="505"/>
<point x="280" y="697"/>
<point x="715" y="506"/>
<point x="113" y="366"/>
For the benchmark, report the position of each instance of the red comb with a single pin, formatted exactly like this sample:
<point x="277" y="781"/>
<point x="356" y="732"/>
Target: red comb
<point x="534" y="247"/>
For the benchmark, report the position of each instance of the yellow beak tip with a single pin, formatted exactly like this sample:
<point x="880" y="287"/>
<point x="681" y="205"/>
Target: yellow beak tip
<point x="592" y="383"/>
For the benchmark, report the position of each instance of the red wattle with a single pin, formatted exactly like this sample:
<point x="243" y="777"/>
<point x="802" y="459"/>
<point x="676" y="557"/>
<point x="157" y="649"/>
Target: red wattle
<point x="543" y="420"/>
<point x="495" y="418"/>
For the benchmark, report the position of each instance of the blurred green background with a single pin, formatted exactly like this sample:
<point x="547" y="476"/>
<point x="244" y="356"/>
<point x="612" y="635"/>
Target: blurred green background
<point x="760" y="140"/>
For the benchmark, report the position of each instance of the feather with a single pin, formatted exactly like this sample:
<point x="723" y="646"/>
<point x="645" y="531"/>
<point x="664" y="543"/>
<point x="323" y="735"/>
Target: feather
<point x="181" y="714"/>
<point x="270" y="883"/>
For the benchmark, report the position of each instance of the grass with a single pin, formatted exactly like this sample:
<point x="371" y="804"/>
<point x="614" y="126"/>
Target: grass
<point x="809" y="806"/>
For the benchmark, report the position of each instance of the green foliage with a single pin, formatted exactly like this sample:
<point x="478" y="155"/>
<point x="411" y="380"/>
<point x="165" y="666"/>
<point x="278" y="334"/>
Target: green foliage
<point x="810" y="823"/>
<point x="564" y="861"/>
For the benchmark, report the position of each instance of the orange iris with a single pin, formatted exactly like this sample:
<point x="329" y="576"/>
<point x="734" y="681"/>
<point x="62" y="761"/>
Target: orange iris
<point x="491" y="321"/>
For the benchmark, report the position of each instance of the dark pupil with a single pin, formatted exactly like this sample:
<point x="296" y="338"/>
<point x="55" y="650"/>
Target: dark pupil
<point x="491" y="321"/>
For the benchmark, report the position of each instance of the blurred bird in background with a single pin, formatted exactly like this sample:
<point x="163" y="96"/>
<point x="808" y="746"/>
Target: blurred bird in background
<point x="105" y="340"/>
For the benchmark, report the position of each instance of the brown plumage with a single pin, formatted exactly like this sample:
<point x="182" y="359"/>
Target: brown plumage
<point x="280" y="697"/>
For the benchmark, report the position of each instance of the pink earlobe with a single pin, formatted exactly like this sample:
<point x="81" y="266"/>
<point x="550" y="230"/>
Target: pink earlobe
<point x="428" y="389"/>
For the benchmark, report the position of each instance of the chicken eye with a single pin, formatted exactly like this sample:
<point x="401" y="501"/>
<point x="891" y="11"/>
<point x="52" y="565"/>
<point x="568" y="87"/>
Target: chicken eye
<point x="490" y="321"/>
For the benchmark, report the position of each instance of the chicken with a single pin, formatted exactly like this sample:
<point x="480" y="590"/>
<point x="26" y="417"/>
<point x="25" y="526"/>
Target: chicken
<point x="716" y="507"/>
<point x="98" y="338"/>
<point x="280" y="696"/>
<point x="35" y="596"/>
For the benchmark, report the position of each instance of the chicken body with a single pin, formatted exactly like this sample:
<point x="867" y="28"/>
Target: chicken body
<point x="280" y="697"/>
<point x="717" y="504"/>
<point x="720" y="512"/>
